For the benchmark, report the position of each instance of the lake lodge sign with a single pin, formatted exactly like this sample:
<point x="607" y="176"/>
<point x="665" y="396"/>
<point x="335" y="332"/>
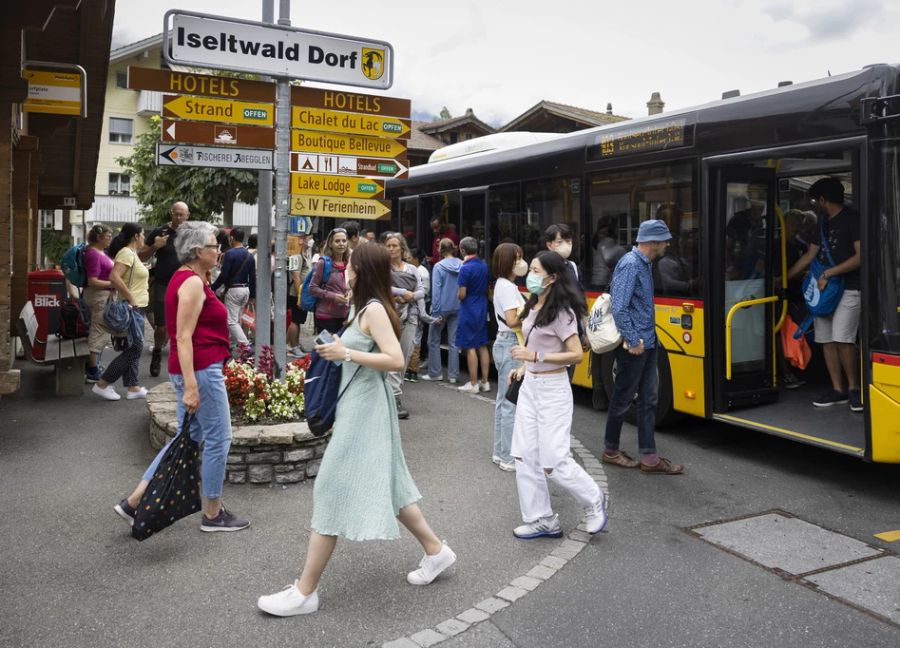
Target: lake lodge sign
<point x="229" y="43"/>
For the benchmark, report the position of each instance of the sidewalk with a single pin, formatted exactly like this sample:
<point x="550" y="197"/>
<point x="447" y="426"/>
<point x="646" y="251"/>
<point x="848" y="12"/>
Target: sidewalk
<point x="75" y="577"/>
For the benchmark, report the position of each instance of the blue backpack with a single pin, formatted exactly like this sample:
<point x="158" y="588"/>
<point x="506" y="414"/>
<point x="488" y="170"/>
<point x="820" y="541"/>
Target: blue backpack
<point x="72" y="266"/>
<point x="321" y="391"/>
<point x="307" y="299"/>
<point x="819" y="303"/>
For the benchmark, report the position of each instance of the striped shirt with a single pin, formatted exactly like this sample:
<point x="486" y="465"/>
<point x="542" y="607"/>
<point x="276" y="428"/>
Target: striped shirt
<point x="631" y="291"/>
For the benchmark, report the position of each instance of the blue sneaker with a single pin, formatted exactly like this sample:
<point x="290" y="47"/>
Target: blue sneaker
<point x="93" y="374"/>
<point x="543" y="528"/>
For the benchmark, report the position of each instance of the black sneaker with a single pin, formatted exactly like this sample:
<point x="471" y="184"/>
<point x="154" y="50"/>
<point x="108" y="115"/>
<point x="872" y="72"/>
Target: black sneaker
<point x="856" y="404"/>
<point x="93" y="374"/>
<point x="125" y="511"/>
<point x="413" y="376"/>
<point x="402" y="413"/>
<point x="155" y="362"/>
<point x="406" y="376"/>
<point x="224" y="521"/>
<point x="830" y="398"/>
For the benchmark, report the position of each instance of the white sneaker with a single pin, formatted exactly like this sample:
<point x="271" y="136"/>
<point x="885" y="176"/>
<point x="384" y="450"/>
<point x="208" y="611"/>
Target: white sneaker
<point x="429" y="378"/>
<point x="108" y="392"/>
<point x="595" y="516"/>
<point x="543" y="528"/>
<point x="469" y="388"/>
<point x="452" y="381"/>
<point x="288" y="602"/>
<point x="507" y="467"/>
<point x="485" y="386"/>
<point x="496" y="459"/>
<point x="140" y="393"/>
<point x="430" y="567"/>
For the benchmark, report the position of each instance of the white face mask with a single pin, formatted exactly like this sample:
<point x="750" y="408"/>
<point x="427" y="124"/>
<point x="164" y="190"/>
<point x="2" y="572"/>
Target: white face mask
<point x="521" y="268"/>
<point x="564" y="249"/>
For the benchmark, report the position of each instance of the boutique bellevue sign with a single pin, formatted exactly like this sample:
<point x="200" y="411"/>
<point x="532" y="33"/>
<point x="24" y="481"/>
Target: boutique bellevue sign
<point x="218" y="42"/>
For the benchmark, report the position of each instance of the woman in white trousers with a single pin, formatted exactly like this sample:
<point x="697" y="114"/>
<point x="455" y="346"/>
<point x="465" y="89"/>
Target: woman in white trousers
<point x="540" y="442"/>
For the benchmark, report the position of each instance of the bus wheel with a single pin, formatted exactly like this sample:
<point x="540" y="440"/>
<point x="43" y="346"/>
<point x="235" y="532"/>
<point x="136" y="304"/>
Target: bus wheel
<point x="665" y="413"/>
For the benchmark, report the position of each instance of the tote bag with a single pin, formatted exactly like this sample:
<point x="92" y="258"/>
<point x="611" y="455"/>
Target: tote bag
<point x="174" y="489"/>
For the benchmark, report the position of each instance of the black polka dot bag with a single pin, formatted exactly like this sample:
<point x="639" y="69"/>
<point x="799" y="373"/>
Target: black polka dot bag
<point x="174" y="489"/>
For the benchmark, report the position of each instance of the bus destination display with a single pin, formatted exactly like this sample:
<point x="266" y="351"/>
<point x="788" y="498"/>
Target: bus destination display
<point x="643" y="139"/>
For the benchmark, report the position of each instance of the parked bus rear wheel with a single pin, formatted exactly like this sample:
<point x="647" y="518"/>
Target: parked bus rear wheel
<point x="665" y="413"/>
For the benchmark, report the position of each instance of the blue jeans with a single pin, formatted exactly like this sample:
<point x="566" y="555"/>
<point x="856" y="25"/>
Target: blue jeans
<point x="211" y="427"/>
<point x="504" y="411"/>
<point x="636" y="375"/>
<point x="434" y="347"/>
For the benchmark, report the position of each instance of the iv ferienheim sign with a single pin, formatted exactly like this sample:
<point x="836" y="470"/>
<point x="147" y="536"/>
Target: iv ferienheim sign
<point x="231" y="44"/>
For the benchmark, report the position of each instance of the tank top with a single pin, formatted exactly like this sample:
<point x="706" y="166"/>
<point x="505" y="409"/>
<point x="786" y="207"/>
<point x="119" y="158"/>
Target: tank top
<point x="210" y="339"/>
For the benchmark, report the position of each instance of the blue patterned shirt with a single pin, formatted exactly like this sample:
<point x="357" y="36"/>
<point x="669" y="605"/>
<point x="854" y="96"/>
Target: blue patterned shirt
<point x="632" y="299"/>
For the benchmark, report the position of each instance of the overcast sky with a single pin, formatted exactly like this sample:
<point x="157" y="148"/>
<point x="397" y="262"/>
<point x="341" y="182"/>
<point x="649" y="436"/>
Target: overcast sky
<point x="500" y="57"/>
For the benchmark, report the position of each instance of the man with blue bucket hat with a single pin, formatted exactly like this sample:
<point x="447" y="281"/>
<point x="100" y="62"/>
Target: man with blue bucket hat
<point x="631" y="290"/>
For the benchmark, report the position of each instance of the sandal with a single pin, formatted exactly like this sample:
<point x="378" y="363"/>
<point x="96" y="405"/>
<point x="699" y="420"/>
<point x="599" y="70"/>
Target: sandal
<point x="663" y="467"/>
<point x="619" y="459"/>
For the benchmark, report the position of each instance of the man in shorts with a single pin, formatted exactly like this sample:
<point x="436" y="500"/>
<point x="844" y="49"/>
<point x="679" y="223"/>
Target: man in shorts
<point x="837" y="333"/>
<point x="161" y="242"/>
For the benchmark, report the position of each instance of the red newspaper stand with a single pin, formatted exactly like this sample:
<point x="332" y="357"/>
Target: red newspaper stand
<point x="46" y="291"/>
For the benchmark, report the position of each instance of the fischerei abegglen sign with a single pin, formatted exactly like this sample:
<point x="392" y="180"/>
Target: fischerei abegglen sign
<point x="232" y="44"/>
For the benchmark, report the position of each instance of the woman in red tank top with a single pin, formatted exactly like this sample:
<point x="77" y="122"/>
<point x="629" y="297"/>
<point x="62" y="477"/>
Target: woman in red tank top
<point x="197" y="326"/>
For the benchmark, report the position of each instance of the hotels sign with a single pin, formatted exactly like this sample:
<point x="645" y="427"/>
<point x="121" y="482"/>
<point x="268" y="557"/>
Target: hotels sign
<point x="219" y="42"/>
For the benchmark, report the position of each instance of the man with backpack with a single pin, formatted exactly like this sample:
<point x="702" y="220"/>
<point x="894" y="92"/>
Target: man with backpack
<point x="836" y="249"/>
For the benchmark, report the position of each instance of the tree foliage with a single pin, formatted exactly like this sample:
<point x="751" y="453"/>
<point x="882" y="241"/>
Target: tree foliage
<point x="207" y="191"/>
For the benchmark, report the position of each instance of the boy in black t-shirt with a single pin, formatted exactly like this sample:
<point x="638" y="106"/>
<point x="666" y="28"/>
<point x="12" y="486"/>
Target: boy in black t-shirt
<point x="837" y="333"/>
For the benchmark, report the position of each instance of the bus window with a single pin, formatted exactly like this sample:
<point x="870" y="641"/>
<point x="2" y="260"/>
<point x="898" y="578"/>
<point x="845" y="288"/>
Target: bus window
<point x="409" y="217"/>
<point x="473" y="213"/>
<point x="619" y="202"/>
<point x="557" y="201"/>
<point x="509" y="224"/>
<point x="885" y="323"/>
<point x="445" y="208"/>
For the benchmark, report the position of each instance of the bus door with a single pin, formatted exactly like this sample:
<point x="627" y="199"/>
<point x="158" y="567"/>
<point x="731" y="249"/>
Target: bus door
<point x="746" y="308"/>
<point x="473" y="218"/>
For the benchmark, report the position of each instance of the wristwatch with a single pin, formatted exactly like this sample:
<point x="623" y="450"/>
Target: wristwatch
<point x="540" y="356"/>
<point x="347" y="354"/>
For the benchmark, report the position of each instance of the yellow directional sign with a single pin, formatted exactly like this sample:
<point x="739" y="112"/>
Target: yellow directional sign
<point x="333" y="121"/>
<point x="330" y="185"/>
<point x="357" y="208"/>
<point x="222" y="111"/>
<point x="314" y="142"/>
<point x="52" y="92"/>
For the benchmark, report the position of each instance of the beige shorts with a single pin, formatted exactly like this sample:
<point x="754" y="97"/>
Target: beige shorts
<point x="843" y="325"/>
<point x="98" y="334"/>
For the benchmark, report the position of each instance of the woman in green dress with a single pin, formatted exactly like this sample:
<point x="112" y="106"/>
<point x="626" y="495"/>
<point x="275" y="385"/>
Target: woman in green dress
<point x="363" y="486"/>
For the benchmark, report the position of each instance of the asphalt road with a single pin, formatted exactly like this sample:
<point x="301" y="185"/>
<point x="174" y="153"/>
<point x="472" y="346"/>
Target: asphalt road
<point x="72" y="576"/>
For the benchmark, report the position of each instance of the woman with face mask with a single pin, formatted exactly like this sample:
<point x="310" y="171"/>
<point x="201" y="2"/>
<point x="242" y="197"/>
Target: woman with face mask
<point x="543" y="422"/>
<point x="507" y="264"/>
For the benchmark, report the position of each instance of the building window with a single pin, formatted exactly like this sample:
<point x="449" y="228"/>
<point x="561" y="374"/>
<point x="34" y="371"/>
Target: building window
<point x="119" y="184"/>
<point x="454" y="138"/>
<point x="121" y="79"/>
<point x="120" y="130"/>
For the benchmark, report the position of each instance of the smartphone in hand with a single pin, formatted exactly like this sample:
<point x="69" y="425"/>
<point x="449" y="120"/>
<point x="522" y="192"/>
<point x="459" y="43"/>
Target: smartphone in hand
<point x="324" y="337"/>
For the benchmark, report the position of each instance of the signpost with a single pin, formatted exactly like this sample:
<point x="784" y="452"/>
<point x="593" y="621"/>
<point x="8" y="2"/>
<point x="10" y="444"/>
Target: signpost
<point x="209" y="156"/>
<point x="217" y="42"/>
<point x="55" y="92"/>
<point x="346" y="165"/>
<point x="199" y="84"/>
<point x="343" y="140"/>
<point x="355" y="208"/>
<point x="217" y="134"/>
<point x="342" y="122"/>
<point x="218" y="110"/>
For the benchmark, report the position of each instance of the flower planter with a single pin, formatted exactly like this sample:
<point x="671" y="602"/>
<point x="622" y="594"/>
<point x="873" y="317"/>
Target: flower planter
<point x="281" y="453"/>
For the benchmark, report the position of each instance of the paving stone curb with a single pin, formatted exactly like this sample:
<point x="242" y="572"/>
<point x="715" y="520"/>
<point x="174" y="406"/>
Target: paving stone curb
<point x="564" y="551"/>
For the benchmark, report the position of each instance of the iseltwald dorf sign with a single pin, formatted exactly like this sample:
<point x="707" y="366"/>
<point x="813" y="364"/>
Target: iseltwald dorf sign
<point x="218" y="42"/>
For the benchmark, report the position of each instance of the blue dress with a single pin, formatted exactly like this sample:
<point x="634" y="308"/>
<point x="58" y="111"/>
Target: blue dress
<point x="471" y="330"/>
<point x="363" y="481"/>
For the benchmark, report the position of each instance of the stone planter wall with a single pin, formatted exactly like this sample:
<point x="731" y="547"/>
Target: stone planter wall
<point x="284" y="453"/>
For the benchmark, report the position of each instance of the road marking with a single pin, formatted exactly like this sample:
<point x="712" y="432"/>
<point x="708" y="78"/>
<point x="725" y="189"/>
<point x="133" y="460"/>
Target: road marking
<point x="889" y="536"/>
